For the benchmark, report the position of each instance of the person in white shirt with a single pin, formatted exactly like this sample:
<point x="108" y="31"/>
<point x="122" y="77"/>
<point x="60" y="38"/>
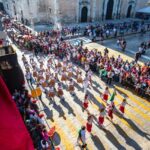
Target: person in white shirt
<point x="82" y="136"/>
<point x="85" y="84"/>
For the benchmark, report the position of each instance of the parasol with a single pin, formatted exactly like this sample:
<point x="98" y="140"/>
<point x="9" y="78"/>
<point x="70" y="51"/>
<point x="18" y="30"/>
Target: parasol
<point x="36" y="92"/>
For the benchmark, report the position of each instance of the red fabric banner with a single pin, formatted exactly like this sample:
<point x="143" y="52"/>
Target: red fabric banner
<point x="13" y="133"/>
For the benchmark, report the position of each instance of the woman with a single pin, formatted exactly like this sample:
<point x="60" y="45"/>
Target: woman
<point x="59" y="65"/>
<point x="122" y="106"/>
<point x="56" y="70"/>
<point x="106" y="94"/>
<point x="85" y="103"/>
<point x="110" y="111"/>
<point x="71" y="87"/>
<point x="64" y="76"/>
<point x="52" y="80"/>
<point x="51" y="93"/>
<point x="90" y="76"/>
<point x="79" y="78"/>
<point x="85" y="84"/>
<point x="60" y="91"/>
<point x="47" y="74"/>
<point x="101" y="117"/>
<point x="89" y="122"/>
<point x="70" y="73"/>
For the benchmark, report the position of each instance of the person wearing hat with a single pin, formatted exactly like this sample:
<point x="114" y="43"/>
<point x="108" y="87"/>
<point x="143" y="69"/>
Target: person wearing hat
<point x="82" y="136"/>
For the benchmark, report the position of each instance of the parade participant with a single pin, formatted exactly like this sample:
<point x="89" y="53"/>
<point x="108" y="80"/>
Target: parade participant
<point x="60" y="91"/>
<point x="85" y="103"/>
<point x="71" y="87"/>
<point x="52" y="80"/>
<point x="106" y="94"/>
<point x="89" y="74"/>
<point x="101" y="117"/>
<point x="40" y="76"/>
<point x="109" y="110"/>
<point x="85" y="84"/>
<point x="43" y="83"/>
<point x="122" y="106"/>
<point x="56" y="70"/>
<point x="64" y="76"/>
<point x="59" y="65"/>
<point x="112" y="97"/>
<point x="89" y="122"/>
<point x="87" y="67"/>
<point x="81" y="136"/>
<point x="51" y="93"/>
<point x="47" y="75"/>
<point x="65" y="64"/>
<point x="78" y="72"/>
<point x="70" y="73"/>
<point x="48" y="66"/>
<point x="79" y="78"/>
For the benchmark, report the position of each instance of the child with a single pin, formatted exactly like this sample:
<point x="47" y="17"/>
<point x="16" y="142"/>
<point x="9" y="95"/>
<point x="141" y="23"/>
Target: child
<point x="106" y="93"/>
<point x="101" y="117"/>
<point x="85" y="103"/>
<point x="122" y="106"/>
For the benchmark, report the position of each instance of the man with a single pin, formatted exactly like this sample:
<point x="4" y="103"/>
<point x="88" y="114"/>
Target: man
<point x="81" y="136"/>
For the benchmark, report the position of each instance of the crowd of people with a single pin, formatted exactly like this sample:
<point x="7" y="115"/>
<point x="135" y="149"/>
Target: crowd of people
<point x="109" y="68"/>
<point x="33" y="118"/>
<point x="54" y="77"/>
<point x="61" y="69"/>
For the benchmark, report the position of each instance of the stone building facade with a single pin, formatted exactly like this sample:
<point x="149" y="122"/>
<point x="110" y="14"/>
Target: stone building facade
<point x="72" y="10"/>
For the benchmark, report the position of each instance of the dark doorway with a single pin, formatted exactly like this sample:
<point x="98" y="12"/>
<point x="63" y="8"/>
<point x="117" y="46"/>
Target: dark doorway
<point x="129" y="11"/>
<point x="1" y="6"/>
<point x="84" y="14"/>
<point x="109" y="12"/>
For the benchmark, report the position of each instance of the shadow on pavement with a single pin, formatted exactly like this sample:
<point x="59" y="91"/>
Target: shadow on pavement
<point x="128" y="140"/>
<point x="134" y="126"/>
<point x="67" y="106"/>
<point x="77" y="100"/>
<point x="113" y="140"/>
<point x="48" y="112"/>
<point x="59" y="110"/>
<point x="97" y="142"/>
<point x="93" y="99"/>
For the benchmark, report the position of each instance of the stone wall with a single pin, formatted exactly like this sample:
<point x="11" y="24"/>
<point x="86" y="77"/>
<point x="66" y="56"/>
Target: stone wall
<point x="71" y="10"/>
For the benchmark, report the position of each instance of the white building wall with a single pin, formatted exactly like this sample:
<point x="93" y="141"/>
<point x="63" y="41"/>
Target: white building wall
<point x="69" y="10"/>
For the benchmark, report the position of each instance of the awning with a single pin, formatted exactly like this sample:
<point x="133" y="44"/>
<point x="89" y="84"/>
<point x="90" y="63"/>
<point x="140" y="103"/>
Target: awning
<point x="145" y="10"/>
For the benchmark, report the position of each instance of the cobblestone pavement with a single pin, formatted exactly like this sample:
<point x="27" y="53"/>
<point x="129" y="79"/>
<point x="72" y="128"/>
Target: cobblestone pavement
<point x="130" y="132"/>
<point x="133" y="42"/>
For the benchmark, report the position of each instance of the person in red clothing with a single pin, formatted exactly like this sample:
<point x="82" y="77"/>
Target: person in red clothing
<point x="89" y="122"/>
<point x="101" y="117"/>
<point x="85" y="103"/>
<point x="122" y="106"/>
<point x="106" y="94"/>
<point x="110" y="111"/>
